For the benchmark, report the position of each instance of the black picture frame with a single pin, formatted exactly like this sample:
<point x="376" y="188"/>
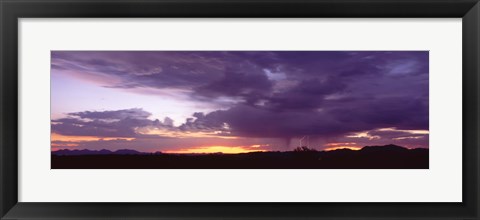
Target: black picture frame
<point x="12" y="10"/>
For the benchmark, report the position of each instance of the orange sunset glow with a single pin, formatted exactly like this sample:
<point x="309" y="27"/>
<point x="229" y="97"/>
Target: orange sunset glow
<point x="179" y="134"/>
<point x="218" y="149"/>
<point x="342" y="147"/>
<point x="59" y="137"/>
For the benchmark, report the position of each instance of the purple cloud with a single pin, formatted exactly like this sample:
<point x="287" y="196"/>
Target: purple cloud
<point x="121" y="123"/>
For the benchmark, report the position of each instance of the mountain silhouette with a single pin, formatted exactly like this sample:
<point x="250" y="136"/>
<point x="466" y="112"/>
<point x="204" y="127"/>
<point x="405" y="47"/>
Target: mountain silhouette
<point x="386" y="148"/>
<point x="369" y="157"/>
<point x="67" y="152"/>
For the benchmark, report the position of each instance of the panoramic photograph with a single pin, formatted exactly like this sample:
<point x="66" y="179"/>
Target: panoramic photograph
<point x="239" y="110"/>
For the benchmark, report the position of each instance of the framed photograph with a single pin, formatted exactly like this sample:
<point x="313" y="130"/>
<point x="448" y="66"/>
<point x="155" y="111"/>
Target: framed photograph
<point x="239" y="109"/>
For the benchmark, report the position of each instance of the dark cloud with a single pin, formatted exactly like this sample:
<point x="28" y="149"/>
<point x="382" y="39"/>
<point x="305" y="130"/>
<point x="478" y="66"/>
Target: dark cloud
<point x="251" y="121"/>
<point x="121" y="123"/>
<point x="202" y="122"/>
<point x="135" y="113"/>
<point x="307" y="94"/>
<point x="244" y="80"/>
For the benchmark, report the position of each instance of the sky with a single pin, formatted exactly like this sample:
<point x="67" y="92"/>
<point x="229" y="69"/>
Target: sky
<point x="238" y="101"/>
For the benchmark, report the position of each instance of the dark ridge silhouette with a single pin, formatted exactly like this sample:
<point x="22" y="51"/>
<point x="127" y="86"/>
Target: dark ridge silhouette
<point x="386" y="148"/>
<point x="66" y="152"/>
<point x="369" y="157"/>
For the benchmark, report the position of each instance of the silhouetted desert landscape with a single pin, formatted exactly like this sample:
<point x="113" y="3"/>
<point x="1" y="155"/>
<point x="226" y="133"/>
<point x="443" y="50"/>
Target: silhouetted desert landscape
<point x="369" y="157"/>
